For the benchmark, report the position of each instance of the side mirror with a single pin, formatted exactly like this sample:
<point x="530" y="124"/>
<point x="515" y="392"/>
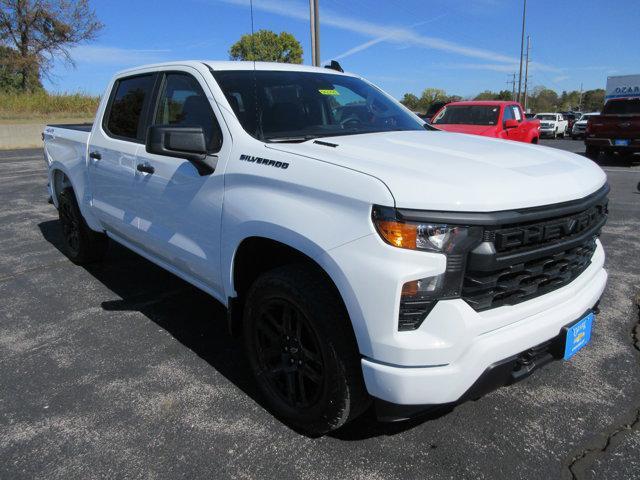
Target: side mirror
<point x="511" y="123"/>
<point x="181" y="142"/>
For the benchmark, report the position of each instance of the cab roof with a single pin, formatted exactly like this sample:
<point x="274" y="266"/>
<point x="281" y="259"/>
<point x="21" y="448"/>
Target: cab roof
<point x="484" y="102"/>
<point x="238" y="65"/>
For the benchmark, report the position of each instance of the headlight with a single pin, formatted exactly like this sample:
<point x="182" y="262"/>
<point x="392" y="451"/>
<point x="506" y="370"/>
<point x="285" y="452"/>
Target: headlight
<point x="420" y="295"/>
<point x="432" y="237"/>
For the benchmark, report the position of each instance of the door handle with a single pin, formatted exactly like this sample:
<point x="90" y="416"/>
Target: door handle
<point x="95" y="155"/>
<point x="145" y="167"/>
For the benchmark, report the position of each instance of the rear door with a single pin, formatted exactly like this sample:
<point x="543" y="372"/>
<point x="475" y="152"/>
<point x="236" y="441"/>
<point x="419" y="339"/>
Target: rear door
<point x="113" y="146"/>
<point x="180" y="211"/>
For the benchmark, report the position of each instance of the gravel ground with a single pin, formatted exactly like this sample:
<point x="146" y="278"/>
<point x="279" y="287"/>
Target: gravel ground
<point x="121" y="370"/>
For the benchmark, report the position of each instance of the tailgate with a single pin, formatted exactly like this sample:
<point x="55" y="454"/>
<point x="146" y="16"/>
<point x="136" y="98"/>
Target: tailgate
<point x="615" y="126"/>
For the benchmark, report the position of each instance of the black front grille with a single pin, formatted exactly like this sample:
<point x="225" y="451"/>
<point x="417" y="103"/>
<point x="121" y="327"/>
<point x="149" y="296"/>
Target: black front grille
<point x="522" y="281"/>
<point x="519" y="261"/>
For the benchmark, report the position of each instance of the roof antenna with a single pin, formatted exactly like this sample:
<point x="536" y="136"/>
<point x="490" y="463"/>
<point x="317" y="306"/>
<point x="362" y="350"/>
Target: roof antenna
<point x="334" y="65"/>
<point x="255" y="80"/>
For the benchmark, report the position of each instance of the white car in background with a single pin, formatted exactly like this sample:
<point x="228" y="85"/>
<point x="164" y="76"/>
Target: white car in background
<point x="552" y="124"/>
<point x="581" y="125"/>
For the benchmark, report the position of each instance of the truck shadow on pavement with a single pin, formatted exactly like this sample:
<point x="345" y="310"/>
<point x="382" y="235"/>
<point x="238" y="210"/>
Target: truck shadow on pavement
<point x="198" y="322"/>
<point x="613" y="160"/>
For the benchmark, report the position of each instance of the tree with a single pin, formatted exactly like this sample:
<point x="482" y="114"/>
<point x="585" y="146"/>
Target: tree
<point x="489" y="95"/>
<point x="431" y="95"/>
<point x="593" y="100"/>
<point x="544" y="99"/>
<point x="40" y="30"/>
<point x="267" y="46"/>
<point x="410" y="101"/>
<point x="10" y="77"/>
<point x="569" y="100"/>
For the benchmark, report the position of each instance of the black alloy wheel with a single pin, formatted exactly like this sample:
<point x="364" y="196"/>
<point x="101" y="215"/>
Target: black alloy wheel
<point x="289" y="354"/>
<point x="70" y="228"/>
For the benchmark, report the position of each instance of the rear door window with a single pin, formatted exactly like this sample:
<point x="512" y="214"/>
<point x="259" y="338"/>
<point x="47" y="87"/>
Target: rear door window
<point x="129" y="100"/>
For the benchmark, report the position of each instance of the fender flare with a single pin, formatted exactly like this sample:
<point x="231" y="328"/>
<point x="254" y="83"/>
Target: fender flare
<point x="61" y="177"/>
<point x="312" y="250"/>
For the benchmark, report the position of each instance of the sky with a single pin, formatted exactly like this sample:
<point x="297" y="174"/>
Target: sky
<point x="461" y="46"/>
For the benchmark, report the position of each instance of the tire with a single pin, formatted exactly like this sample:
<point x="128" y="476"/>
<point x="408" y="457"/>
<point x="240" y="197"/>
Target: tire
<point x="592" y="152"/>
<point x="534" y="140"/>
<point x="81" y="244"/>
<point x="302" y="350"/>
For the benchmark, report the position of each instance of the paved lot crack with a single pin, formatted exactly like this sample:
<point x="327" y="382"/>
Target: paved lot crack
<point x="587" y="455"/>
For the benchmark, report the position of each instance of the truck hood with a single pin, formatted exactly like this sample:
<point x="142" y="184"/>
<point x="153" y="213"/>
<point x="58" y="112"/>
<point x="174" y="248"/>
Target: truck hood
<point x="487" y="130"/>
<point x="436" y="170"/>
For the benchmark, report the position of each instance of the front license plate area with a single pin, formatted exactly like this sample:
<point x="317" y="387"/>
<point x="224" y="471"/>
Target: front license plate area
<point x="621" y="143"/>
<point x="578" y="335"/>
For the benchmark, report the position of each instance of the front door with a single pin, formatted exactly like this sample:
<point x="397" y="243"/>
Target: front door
<point x="180" y="211"/>
<point x="113" y="147"/>
<point x="518" y="133"/>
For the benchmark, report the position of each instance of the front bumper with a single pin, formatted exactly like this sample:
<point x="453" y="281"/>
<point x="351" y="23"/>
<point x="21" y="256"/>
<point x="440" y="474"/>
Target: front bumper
<point x="524" y="326"/>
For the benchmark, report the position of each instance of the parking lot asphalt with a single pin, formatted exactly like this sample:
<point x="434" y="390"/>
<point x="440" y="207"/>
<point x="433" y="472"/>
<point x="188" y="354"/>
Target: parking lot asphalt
<point x="122" y="370"/>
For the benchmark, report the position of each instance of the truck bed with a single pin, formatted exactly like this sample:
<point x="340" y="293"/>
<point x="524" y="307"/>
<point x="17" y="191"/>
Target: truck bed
<point x="82" y="127"/>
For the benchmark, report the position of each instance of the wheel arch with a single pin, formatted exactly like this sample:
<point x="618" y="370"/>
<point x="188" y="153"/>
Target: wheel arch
<point x="61" y="178"/>
<point x="255" y="255"/>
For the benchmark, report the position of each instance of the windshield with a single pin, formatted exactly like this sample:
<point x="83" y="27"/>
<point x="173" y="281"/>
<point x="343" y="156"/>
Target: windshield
<point x="546" y="117"/>
<point x="467" y="115"/>
<point x="629" y="106"/>
<point x="296" y="106"/>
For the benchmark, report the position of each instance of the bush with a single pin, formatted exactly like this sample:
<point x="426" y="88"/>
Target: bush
<point x="42" y="105"/>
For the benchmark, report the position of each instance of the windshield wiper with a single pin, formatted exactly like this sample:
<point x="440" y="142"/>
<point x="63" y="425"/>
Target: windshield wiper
<point x="291" y="139"/>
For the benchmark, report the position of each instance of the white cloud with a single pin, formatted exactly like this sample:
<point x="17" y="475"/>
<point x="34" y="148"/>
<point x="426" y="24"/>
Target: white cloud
<point x="379" y="32"/>
<point x="104" y="55"/>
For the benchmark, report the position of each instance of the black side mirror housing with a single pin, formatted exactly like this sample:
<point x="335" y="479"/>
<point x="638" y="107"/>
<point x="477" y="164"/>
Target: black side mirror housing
<point x="182" y="142"/>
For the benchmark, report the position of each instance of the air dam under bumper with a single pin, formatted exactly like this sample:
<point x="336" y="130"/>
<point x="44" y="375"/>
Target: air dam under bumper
<point x="442" y="384"/>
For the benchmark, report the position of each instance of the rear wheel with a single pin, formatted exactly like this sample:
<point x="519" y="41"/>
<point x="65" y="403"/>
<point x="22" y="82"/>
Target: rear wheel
<point x="592" y="152"/>
<point x="81" y="244"/>
<point x="302" y="350"/>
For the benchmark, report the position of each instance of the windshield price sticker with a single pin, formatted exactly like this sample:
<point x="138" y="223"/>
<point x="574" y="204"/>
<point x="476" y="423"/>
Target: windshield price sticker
<point x="329" y="92"/>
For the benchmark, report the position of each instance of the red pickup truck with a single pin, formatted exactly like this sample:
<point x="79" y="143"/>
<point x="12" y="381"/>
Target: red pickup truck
<point x="499" y="119"/>
<point x="617" y="129"/>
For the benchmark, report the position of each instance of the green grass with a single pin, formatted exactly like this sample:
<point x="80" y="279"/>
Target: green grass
<point x="42" y="106"/>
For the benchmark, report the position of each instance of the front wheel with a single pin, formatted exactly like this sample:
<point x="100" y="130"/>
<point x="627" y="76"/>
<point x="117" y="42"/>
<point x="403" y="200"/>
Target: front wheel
<point x="81" y="244"/>
<point x="302" y="350"/>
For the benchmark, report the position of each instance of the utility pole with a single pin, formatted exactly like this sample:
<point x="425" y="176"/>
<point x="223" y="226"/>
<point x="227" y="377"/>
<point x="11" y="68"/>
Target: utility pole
<point x="315" y="32"/>
<point x="512" y="82"/>
<point x="524" y="16"/>
<point x="526" y="73"/>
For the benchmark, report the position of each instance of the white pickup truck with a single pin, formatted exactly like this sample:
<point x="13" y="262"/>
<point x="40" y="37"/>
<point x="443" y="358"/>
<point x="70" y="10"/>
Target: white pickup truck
<point x="553" y="125"/>
<point x="364" y="256"/>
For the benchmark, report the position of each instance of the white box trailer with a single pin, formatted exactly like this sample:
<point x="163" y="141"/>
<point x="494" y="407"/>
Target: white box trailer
<point x="623" y="86"/>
